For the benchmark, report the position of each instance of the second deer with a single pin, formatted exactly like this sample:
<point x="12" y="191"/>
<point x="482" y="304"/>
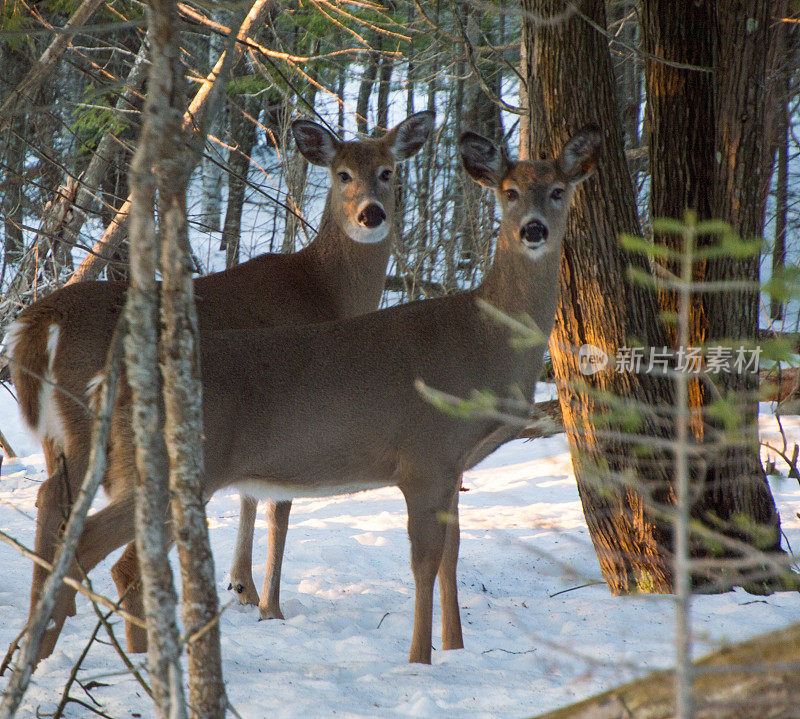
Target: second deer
<point x="333" y="408"/>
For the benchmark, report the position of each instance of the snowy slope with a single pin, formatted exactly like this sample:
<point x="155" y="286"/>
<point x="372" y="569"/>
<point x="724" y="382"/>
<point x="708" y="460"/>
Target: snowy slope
<point x="348" y="598"/>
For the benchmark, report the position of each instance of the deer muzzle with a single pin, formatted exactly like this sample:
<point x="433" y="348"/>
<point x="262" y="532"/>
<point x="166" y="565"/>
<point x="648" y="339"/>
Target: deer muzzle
<point x="371" y="216"/>
<point x="534" y="233"/>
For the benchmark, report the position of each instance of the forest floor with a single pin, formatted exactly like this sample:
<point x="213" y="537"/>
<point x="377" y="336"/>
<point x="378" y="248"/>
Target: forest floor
<point x="540" y="629"/>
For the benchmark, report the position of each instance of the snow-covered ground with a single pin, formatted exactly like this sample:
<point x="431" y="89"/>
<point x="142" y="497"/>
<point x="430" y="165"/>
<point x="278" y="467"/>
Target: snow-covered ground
<point x="348" y="598"/>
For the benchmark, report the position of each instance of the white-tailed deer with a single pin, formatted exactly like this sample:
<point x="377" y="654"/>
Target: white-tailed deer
<point x="332" y="408"/>
<point x="64" y="337"/>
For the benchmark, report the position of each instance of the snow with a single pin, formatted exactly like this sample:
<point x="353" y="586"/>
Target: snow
<point x="348" y="599"/>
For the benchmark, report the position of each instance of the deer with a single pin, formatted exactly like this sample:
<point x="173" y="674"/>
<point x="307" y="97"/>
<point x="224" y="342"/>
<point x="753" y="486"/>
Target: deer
<point x="58" y="344"/>
<point x="334" y="408"/>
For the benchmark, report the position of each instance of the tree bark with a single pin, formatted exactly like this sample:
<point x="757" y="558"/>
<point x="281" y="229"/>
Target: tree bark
<point x="243" y="135"/>
<point x="179" y="361"/>
<point x="141" y="310"/>
<point x="708" y="153"/>
<point x="598" y="306"/>
<point x="183" y="420"/>
<point x="737" y="486"/>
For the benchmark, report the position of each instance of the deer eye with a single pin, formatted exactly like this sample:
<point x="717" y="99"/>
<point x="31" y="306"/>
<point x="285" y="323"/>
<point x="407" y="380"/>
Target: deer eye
<point x="557" y="194"/>
<point x="385" y="175"/>
<point x="512" y="195"/>
<point x="344" y="176"/>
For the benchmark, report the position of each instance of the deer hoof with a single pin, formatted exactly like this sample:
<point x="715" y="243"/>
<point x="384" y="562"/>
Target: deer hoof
<point x="245" y="594"/>
<point x="269" y="613"/>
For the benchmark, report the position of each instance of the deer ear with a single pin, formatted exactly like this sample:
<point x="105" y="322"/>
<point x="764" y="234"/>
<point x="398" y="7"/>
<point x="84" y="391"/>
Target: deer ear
<point x="482" y="159"/>
<point x="409" y="136"/>
<point x="317" y="144"/>
<point x="579" y="156"/>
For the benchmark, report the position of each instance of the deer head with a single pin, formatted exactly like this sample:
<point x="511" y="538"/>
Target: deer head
<point x="534" y="196"/>
<point x="362" y="190"/>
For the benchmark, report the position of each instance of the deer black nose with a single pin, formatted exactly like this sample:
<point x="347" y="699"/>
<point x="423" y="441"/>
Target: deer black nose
<point x="371" y="216"/>
<point x="534" y="233"/>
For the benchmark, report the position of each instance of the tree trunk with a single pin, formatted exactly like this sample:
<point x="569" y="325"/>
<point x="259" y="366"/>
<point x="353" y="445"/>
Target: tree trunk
<point x="781" y="187"/>
<point x="738" y="491"/>
<point x="368" y="76"/>
<point x="628" y="69"/>
<point x="183" y="420"/>
<point x="211" y="168"/>
<point x="708" y="154"/>
<point x="115" y="186"/>
<point x="14" y="64"/>
<point x="152" y="497"/>
<point x="480" y="114"/>
<point x="243" y="137"/>
<point x="384" y="85"/>
<point x="599" y="307"/>
<point x="296" y="176"/>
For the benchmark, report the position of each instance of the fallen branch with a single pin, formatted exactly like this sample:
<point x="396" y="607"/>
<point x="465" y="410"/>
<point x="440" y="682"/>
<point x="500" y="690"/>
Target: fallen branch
<point x="5" y="445"/>
<point x="738" y="682"/>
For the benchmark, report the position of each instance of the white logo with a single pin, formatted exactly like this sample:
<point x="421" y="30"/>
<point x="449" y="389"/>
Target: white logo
<point x="591" y="359"/>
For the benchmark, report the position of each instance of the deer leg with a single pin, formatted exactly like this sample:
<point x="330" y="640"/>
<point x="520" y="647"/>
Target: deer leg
<point x="54" y="502"/>
<point x="448" y="590"/>
<point x="103" y="532"/>
<point x="53" y="458"/>
<point x="427" y="505"/>
<point x="126" y="576"/>
<point x="278" y="519"/>
<point x="242" y="566"/>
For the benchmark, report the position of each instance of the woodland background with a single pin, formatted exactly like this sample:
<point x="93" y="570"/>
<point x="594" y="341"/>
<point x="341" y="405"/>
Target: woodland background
<point x="698" y="103"/>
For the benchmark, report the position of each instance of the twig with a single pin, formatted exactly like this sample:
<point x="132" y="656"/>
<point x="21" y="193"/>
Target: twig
<point x="73" y="675"/>
<point x="572" y="589"/>
<point x="103" y="618"/>
<point x="5" y="445"/>
<point x="11" y="649"/>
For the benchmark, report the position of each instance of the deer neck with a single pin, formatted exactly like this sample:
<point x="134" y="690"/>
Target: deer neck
<point x="354" y="273"/>
<point x="517" y="284"/>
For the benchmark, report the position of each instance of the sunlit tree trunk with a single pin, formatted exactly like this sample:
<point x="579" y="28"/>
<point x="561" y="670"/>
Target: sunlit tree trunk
<point x="708" y="153"/>
<point x="567" y="89"/>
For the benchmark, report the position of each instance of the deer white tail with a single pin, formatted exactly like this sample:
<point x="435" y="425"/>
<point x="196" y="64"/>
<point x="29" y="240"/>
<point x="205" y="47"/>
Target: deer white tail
<point x="32" y="343"/>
